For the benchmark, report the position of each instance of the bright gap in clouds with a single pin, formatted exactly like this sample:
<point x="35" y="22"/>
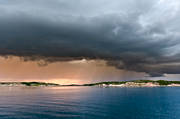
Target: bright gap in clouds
<point x="71" y="72"/>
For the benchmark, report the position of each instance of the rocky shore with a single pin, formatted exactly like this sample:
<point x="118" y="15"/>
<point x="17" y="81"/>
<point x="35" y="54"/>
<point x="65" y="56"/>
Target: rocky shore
<point x="132" y="84"/>
<point x="137" y="83"/>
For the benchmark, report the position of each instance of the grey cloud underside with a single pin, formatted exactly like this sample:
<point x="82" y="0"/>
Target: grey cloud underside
<point x="138" y="35"/>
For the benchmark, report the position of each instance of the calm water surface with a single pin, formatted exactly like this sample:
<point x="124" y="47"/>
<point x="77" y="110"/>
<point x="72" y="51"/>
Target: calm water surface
<point x="89" y="103"/>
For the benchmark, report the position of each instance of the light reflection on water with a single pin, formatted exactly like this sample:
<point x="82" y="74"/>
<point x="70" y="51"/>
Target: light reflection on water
<point x="89" y="103"/>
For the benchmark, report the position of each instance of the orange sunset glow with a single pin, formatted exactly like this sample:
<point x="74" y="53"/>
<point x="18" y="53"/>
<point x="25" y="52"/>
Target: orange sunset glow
<point x="69" y="72"/>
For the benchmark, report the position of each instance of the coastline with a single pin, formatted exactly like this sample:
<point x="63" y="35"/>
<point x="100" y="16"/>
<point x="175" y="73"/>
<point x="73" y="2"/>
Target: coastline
<point x="131" y="84"/>
<point x="27" y="84"/>
<point x="138" y="83"/>
<point x="135" y="83"/>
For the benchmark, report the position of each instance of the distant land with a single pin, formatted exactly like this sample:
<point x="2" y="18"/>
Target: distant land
<point x="135" y="83"/>
<point x="27" y="84"/>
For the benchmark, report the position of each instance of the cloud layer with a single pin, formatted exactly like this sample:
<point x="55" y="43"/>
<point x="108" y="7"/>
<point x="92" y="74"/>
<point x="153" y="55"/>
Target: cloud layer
<point x="135" y="35"/>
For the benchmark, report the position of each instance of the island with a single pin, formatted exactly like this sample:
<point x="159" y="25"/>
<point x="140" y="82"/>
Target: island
<point x="27" y="84"/>
<point x="136" y="83"/>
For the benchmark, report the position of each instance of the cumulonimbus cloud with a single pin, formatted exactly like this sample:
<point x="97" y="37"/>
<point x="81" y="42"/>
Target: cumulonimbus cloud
<point x="138" y="35"/>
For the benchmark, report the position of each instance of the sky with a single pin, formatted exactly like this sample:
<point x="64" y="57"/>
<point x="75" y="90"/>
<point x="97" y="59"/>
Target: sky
<point x="82" y="41"/>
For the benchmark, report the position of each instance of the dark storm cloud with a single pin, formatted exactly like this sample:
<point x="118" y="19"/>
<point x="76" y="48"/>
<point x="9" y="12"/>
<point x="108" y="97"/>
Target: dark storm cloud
<point x="138" y="35"/>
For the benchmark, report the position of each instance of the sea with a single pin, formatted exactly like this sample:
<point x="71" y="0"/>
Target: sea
<point x="73" y="102"/>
